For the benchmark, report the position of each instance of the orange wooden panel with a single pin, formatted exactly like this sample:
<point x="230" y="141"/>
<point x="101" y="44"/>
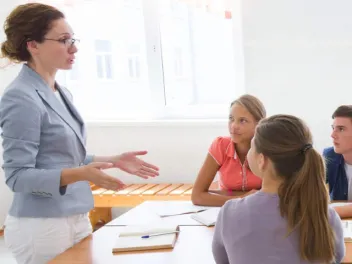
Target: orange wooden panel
<point x="189" y="192"/>
<point x="129" y="189"/>
<point x="169" y="189"/>
<point x="99" y="191"/>
<point x="180" y="190"/>
<point x="94" y="187"/>
<point x="156" y="189"/>
<point x="141" y="190"/>
<point x="110" y="192"/>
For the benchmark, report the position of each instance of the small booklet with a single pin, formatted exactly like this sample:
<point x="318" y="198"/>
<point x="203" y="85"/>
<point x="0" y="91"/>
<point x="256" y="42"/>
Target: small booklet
<point x="208" y="217"/>
<point x="136" y="238"/>
<point x="347" y="230"/>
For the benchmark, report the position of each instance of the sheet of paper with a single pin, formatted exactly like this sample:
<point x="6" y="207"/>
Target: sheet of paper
<point x="170" y="209"/>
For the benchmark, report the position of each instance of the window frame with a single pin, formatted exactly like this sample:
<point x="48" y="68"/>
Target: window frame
<point x="156" y="79"/>
<point x="159" y="110"/>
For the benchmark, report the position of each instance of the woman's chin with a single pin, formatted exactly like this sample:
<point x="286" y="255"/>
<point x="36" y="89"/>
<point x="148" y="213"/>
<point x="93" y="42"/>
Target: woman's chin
<point x="66" y="67"/>
<point x="235" y="139"/>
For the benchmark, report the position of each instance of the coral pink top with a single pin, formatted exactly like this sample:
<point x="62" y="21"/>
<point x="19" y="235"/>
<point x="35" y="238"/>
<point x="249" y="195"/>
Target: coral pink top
<point x="233" y="176"/>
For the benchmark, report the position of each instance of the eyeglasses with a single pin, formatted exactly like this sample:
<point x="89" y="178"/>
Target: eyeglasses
<point x="68" y="42"/>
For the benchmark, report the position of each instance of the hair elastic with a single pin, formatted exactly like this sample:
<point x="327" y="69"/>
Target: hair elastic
<point x="306" y="147"/>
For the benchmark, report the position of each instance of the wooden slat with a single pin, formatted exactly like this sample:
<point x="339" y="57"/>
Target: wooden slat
<point x="110" y="192"/>
<point x="169" y="189"/>
<point x="180" y="190"/>
<point x="99" y="191"/>
<point x="156" y="189"/>
<point x="129" y="189"/>
<point x="189" y="192"/>
<point x="141" y="190"/>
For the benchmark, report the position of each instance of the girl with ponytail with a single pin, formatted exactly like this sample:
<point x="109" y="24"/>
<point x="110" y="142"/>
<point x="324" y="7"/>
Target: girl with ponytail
<point x="289" y="219"/>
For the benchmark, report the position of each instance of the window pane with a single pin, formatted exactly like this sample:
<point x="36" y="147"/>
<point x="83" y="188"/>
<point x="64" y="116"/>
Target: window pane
<point x="197" y="52"/>
<point x="108" y="66"/>
<point x="102" y="46"/>
<point x="130" y="67"/>
<point x="121" y="96"/>
<point x="137" y="66"/>
<point x="100" y="70"/>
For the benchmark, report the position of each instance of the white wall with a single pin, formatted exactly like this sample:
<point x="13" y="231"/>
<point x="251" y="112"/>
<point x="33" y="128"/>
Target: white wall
<point x="298" y="60"/>
<point x="298" y="57"/>
<point x="6" y="76"/>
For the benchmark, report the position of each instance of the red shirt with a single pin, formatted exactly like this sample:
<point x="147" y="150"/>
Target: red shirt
<point x="232" y="174"/>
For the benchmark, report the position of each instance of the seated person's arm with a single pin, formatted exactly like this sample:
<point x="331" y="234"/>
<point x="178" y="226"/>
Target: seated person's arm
<point x="201" y="195"/>
<point x="344" y="211"/>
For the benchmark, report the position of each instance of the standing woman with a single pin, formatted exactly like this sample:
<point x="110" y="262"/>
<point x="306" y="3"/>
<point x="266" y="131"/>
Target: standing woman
<point x="227" y="157"/>
<point x="44" y="137"/>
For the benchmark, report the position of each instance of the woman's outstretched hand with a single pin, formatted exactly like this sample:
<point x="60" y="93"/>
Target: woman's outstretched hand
<point x="130" y="163"/>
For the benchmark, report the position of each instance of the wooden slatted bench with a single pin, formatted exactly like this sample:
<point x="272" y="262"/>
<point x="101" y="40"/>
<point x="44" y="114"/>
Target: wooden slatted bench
<point x="133" y="195"/>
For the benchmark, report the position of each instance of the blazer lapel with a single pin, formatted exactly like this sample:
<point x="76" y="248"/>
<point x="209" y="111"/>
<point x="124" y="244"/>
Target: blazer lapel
<point x="48" y="96"/>
<point x="55" y="104"/>
<point x="74" y="112"/>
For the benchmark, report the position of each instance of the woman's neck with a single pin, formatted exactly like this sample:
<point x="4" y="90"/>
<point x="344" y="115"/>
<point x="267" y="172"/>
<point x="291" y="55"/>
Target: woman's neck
<point x="270" y="185"/>
<point x="242" y="150"/>
<point x="47" y="75"/>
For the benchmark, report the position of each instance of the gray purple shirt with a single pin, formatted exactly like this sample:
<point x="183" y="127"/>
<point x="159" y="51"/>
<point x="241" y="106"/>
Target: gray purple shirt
<point x="251" y="230"/>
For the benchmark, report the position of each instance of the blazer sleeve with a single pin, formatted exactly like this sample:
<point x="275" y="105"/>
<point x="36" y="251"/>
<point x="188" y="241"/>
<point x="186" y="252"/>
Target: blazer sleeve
<point x="88" y="159"/>
<point x="21" y="121"/>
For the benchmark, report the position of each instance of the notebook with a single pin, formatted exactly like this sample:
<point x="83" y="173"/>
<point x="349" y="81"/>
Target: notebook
<point x="347" y="230"/>
<point x="130" y="238"/>
<point x="164" y="209"/>
<point x="207" y="217"/>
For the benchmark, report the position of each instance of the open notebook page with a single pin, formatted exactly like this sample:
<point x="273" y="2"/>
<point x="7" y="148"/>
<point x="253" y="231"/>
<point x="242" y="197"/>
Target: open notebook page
<point x="168" y="208"/>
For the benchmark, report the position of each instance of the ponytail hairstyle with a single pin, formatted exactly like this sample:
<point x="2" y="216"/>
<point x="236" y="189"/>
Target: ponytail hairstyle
<point x="303" y="195"/>
<point x="27" y="22"/>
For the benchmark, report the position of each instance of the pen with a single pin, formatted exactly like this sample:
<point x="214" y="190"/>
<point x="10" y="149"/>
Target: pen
<point x="159" y="234"/>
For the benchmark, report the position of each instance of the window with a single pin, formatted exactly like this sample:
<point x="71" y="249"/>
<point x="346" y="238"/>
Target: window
<point x="178" y="70"/>
<point x="103" y="59"/>
<point x="133" y="59"/>
<point x="155" y="59"/>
